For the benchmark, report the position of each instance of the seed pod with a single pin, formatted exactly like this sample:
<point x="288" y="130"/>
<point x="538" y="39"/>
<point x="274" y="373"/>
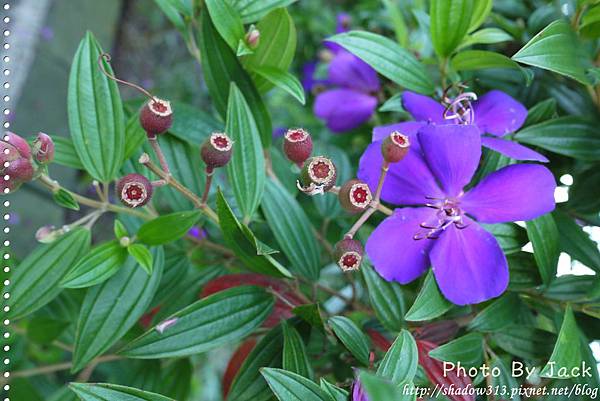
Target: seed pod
<point x="156" y="116"/>
<point x="355" y="195"/>
<point x="134" y="190"/>
<point x="216" y="150"/>
<point x="348" y="254"/>
<point x="19" y="143"/>
<point x="318" y="175"/>
<point x="297" y="145"/>
<point x="395" y="147"/>
<point x="43" y="148"/>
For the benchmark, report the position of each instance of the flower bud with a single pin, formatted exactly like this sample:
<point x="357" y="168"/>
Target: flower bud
<point x="318" y="175"/>
<point x="18" y="171"/>
<point x="297" y="145"/>
<point x="355" y="195"/>
<point x="253" y="37"/>
<point x="134" y="190"/>
<point x="156" y="116"/>
<point x="395" y="147"/>
<point x="348" y="254"/>
<point x="47" y="234"/>
<point x="43" y="148"/>
<point x="19" y="143"/>
<point x="216" y="150"/>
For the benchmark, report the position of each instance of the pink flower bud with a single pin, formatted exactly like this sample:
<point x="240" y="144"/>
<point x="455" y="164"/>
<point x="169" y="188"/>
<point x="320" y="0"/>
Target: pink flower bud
<point x="297" y="145"/>
<point x="18" y="171"/>
<point x="156" y="117"/>
<point x="19" y="143"/>
<point x="43" y="148"/>
<point x="216" y="150"/>
<point x="253" y="38"/>
<point x="134" y="190"/>
<point x="47" y="234"/>
<point x="348" y="254"/>
<point x="395" y="147"/>
<point x="355" y="195"/>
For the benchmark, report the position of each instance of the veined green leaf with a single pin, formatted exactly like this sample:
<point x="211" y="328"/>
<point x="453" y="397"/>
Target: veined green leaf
<point x="555" y="48"/>
<point x="142" y="255"/>
<point x="283" y="80"/>
<point x="168" y="228"/>
<point x="525" y="342"/>
<point x="468" y="350"/>
<point x="379" y="389"/>
<point x="112" y="392"/>
<point x="576" y="242"/>
<point x="288" y="386"/>
<point x="400" y="362"/>
<point x="295" y="358"/>
<point x="65" y="199"/>
<point x="499" y="314"/>
<point x="176" y="379"/>
<point x="109" y="310"/>
<point x="227" y="21"/>
<point x="486" y="36"/>
<point x="98" y="265"/>
<point x="506" y="379"/>
<point x="192" y="124"/>
<point x="352" y="337"/>
<point x="450" y="21"/>
<point x="252" y="11"/>
<point x="386" y="298"/>
<point x="542" y="111"/>
<point x="65" y="153"/>
<point x="481" y="10"/>
<point x="211" y="322"/>
<point x="430" y="303"/>
<point x="469" y="60"/>
<point x="171" y="11"/>
<point x="336" y="393"/>
<point x="544" y="237"/>
<point x="387" y="58"/>
<point x="34" y="282"/>
<point x="292" y="229"/>
<point x="96" y="118"/>
<point x="510" y="236"/>
<point x="135" y="136"/>
<point x="246" y="170"/>
<point x="567" y="350"/>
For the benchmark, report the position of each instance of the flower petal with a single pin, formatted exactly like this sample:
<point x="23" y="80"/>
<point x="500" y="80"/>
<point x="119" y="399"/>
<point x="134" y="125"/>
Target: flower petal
<point x="408" y="128"/>
<point x="344" y="109"/>
<point x="498" y="113"/>
<point x="469" y="265"/>
<point x="393" y="251"/>
<point x="452" y="152"/>
<point x="408" y="182"/>
<point x="423" y="108"/>
<point x="349" y="71"/>
<point x="512" y="149"/>
<point x="513" y="193"/>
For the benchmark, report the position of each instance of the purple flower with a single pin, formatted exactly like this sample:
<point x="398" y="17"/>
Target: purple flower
<point x="443" y="230"/>
<point x="358" y="392"/>
<point x="494" y="113"/>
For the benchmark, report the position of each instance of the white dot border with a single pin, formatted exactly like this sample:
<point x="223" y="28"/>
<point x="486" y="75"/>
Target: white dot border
<point x="5" y="204"/>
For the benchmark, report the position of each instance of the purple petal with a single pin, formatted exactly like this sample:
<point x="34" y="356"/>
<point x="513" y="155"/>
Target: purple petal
<point x="308" y="75"/>
<point x="343" y="21"/>
<point x="469" y="265"/>
<point x="358" y="392"/>
<point x="408" y="182"/>
<point x="423" y="108"/>
<point x="408" y="128"/>
<point x="392" y="249"/>
<point x="512" y="149"/>
<point x="513" y="193"/>
<point x="344" y="109"/>
<point x="452" y="152"/>
<point x="499" y="114"/>
<point x="349" y="71"/>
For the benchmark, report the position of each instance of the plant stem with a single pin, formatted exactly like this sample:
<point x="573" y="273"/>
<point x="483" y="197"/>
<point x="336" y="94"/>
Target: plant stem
<point x="57" y="367"/>
<point x="209" y="177"/>
<point x="159" y="154"/>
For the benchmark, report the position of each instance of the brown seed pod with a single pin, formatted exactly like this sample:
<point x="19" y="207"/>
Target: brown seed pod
<point x="318" y="175"/>
<point x="348" y="254"/>
<point x="395" y="147"/>
<point x="297" y="145"/>
<point x="156" y="116"/>
<point x="216" y="150"/>
<point x="134" y="190"/>
<point x="355" y="196"/>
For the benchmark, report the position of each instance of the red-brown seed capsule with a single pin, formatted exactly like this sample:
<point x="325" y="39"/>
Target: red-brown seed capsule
<point x="395" y="147"/>
<point x="216" y="150"/>
<point x="348" y="254"/>
<point x="355" y="195"/>
<point x="43" y="148"/>
<point x="134" y="190"/>
<point x="156" y="116"/>
<point x="297" y="145"/>
<point x="318" y="175"/>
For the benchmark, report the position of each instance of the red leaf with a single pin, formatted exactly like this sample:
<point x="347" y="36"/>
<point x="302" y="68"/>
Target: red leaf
<point x="379" y="340"/>
<point x="438" y="332"/>
<point x="238" y="357"/>
<point x="434" y="370"/>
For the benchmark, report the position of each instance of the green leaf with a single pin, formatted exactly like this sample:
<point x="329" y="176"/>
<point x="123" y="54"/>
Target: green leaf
<point x="192" y="124"/>
<point x="142" y="255"/>
<point x="590" y="23"/>
<point x="510" y="236"/>
<point x="379" y="389"/>
<point x="227" y="21"/>
<point x="569" y="288"/>
<point x="555" y="48"/>
<point x="352" y="337"/>
<point x="336" y="393"/>
<point x="397" y="19"/>
<point x="569" y="136"/>
<point x="96" y="118"/>
<point x="246" y="170"/>
<point x="112" y="392"/>
<point x="252" y="11"/>
<point x="387" y="58"/>
<point x="176" y="379"/>
<point x="525" y="342"/>
<point x="295" y="358"/>
<point x="135" y="136"/>
<point x="505" y="379"/>
<point x="168" y="227"/>
<point x="430" y="303"/>
<point x="209" y="323"/>
<point x="386" y="299"/>
<point x="221" y="67"/>
<point x="283" y="80"/>
<point x="109" y="310"/>
<point x="276" y="48"/>
<point x="486" y="36"/>
<point x="169" y="8"/>
<point x="542" y="111"/>
<point x="499" y="314"/>
<point x="400" y="362"/>
<point x="524" y="272"/>
<point x="244" y="244"/>
<point x="65" y="199"/>
<point x="292" y="229"/>
<point x="567" y="350"/>
<point x="470" y="60"/>
<point x="393" y="104"/>
<point x="450" y="21"/>
<point x="119" y="229"/>
<point x="481" y="10"/>
<point x="310" y="313"/>
<point x="544" y="237"/>
<point x="65" y="153"/>
<point x="468" y="350"/>
<point x="288" y="386"/>
<point x="98" y="265"/>
<point x="576" y="242"/>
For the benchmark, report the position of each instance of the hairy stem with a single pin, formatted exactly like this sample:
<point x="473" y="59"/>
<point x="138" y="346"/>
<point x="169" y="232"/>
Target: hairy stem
<point x="209" y="177"/>
<point x="159" y="154"/>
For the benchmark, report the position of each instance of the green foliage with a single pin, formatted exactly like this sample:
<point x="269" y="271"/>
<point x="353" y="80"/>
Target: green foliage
<point x="352" y="337"/>
<point x="168" y="228"/>
<point x="98" y="265"/>
<point x="450" y="21"/>
<point x="400" y="362"/>
<point x="430" y="303"/>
